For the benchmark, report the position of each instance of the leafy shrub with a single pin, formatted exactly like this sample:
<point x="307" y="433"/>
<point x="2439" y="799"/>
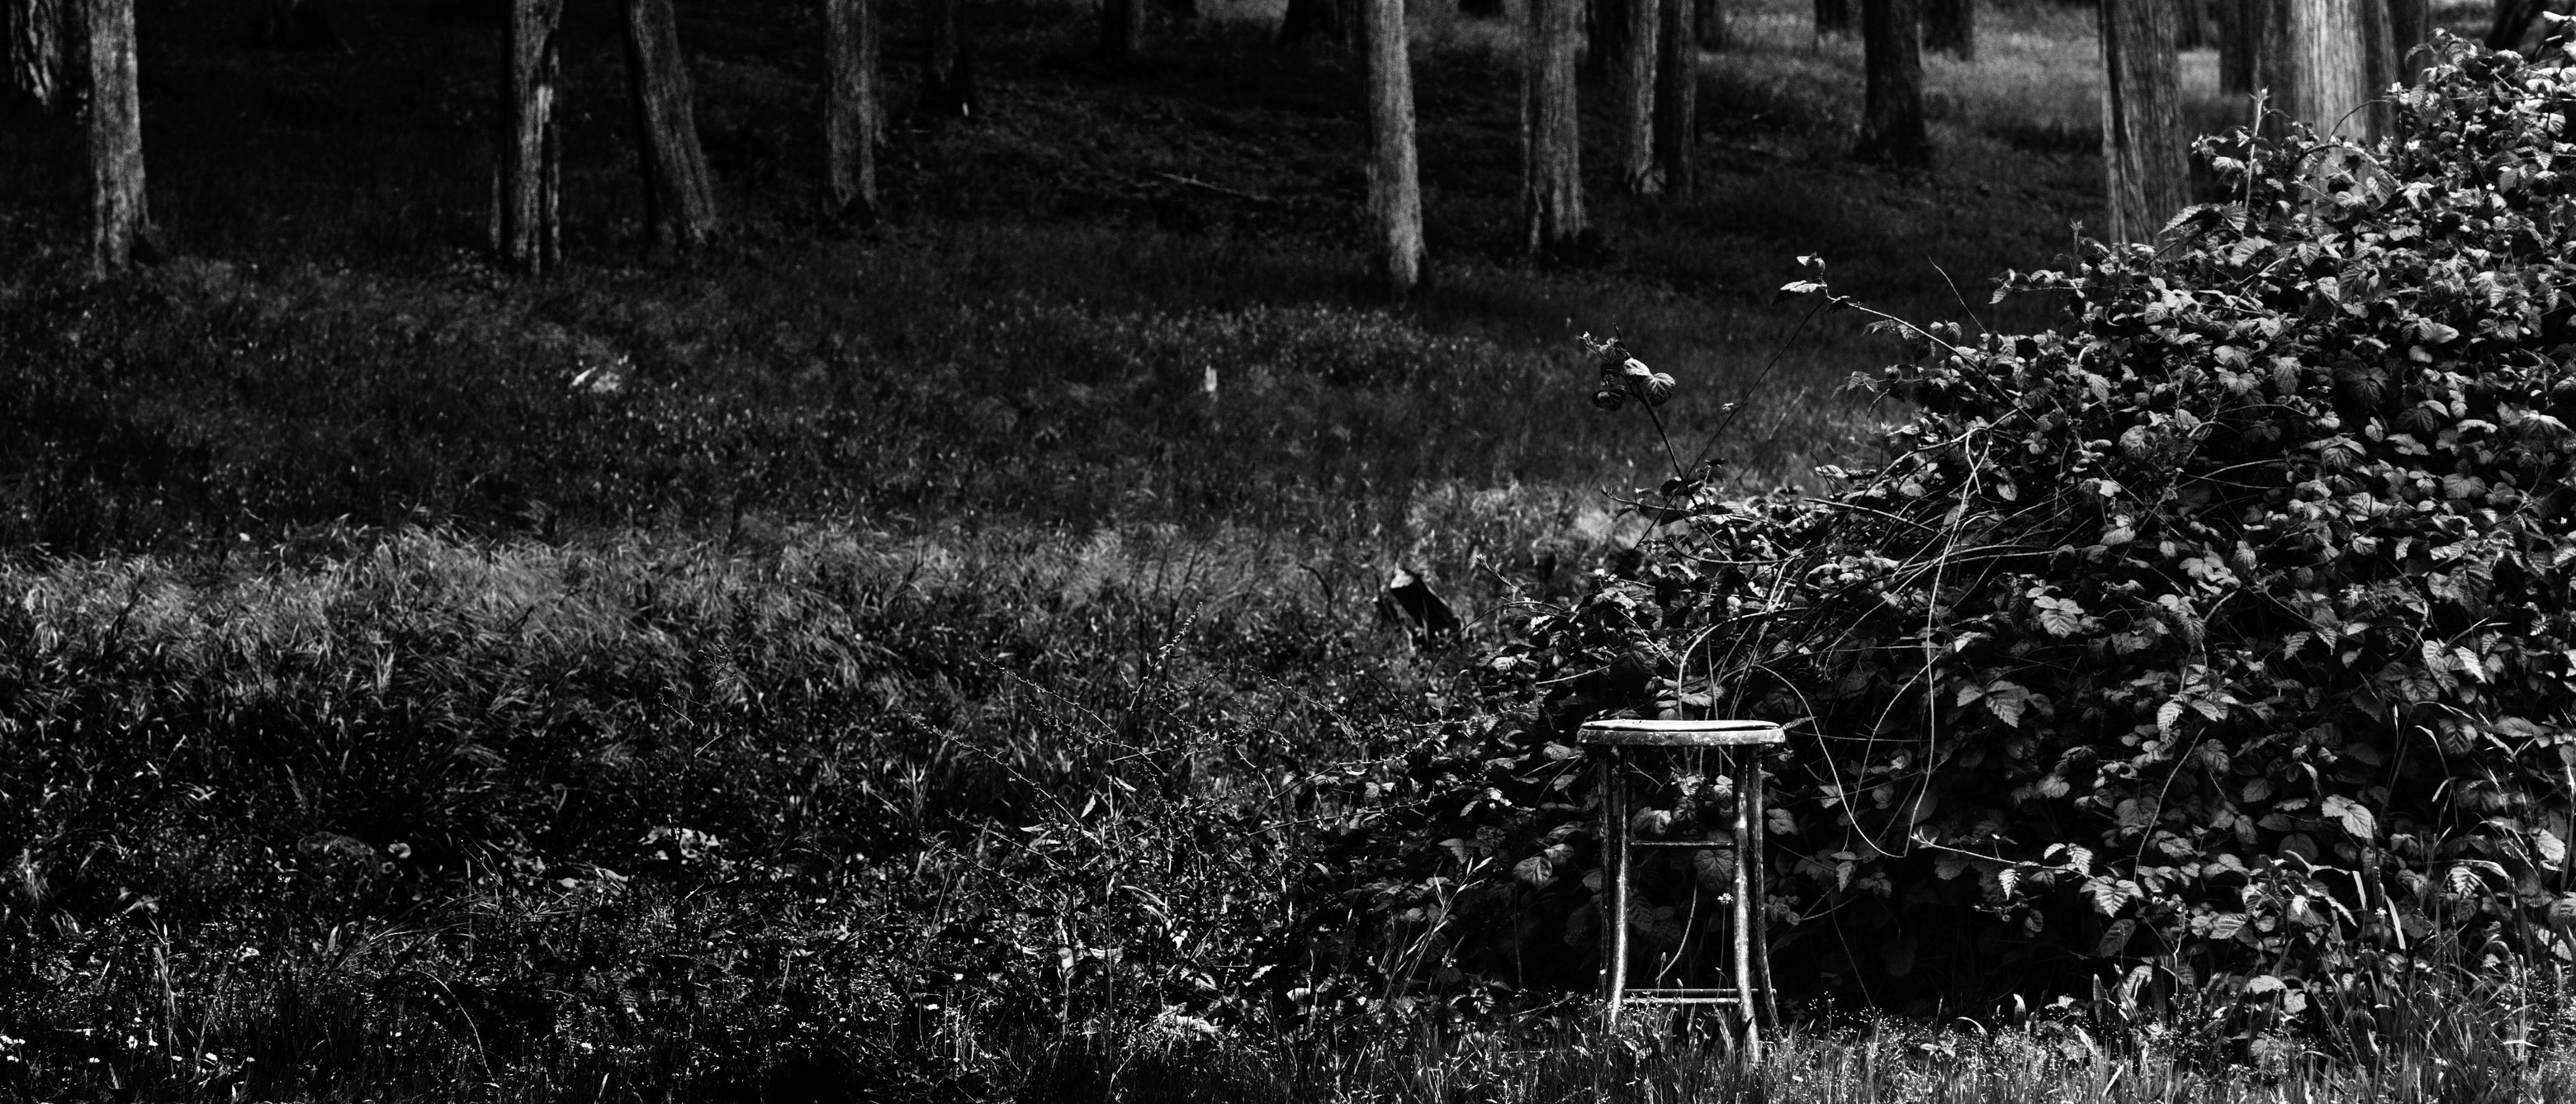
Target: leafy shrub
<point x="2218" y="636"/>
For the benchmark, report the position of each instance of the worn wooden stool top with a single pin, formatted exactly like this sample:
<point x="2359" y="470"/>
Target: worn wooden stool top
<point x="1680" y="733"/>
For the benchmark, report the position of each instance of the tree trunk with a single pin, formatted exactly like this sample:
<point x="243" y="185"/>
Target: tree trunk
<point x="1891" y="129"/>
<point x="2394" y="60"/>
<point x="1632" y="75"/>
<point x="2240" y="42"/>
<point x="1551" y="142"/>
<point x="2142" y="140"/>
<point x="1709" y="19"/>
<point x="38" y="46"/>
<point x="679" y="196"/>
<point x="2315" y="68"/>
<point x="2192" y="29"/>
<point x="853" y="112"/>
<point x="948" y="80"/>
<point x="1677" y="97"/>
<point x="1950" y="27"/>
<point x="1122" y="25"/>
<point x="527" y="227"/>
<point x="1395" y="190"/>
<point x="1833" y="15"/>
<point x="117" y="217"/>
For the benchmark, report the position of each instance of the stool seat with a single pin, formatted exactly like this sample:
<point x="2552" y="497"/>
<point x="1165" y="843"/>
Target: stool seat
<point x="1680" y="733"/>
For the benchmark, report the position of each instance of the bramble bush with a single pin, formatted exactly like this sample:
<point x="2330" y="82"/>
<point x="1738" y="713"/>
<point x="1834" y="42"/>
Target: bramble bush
<point x="2215" y="642"/>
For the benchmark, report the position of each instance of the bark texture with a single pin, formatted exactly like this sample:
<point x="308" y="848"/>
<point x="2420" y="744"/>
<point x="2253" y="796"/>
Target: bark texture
<point x="679" y="194"/>
<point x="1551" y="140"/>
<point x="527" y="226"/>
<point x="304" y="25"/>
<point x="1950" y="27"/>
<point x="1677" y="97"/>
<point x="2513" y="20"/>
<point x="1632" y="75"/>
<point x="948" y="78"/>
<point x="2410" y="24"/>
<point x="1891" y="129"/>
<point x="1833" y="15"/>
<point x="853" y="108"/>
<point x="118" y="219"/>
<point x="2142" y="139"/>
<point x="39" y="42"/>
<point x="1395" y="190"/>
<point x="2315" y="65"/>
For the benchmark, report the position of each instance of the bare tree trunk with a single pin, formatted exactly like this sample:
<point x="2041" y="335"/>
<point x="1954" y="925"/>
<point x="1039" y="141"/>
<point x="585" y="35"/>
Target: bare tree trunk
<point x="679" y="196"/>
<point x="1833" y="15"/>
<point x="1950" y="27"/>
<point x="948" y="81"/>
<point x="2142" y="141"/>
<point x="2193" y="24"/>
<point x="853" y="108"/>
<point x="1709" y="17"/>
<point x="2314" y="66"/>
<point x="1122" y="25"/>
<point x="118" y="219"/>
<point x="1551" y="142"/>
<point x="1677" y="97"/>
<point x="527" y="226"/>
<point x="1632" y="75"/>
<point x="1395" y="190"/>
<point x="1891" y="128"/>
<point x="2240" y="42"/>
<point x="38" y="46"/>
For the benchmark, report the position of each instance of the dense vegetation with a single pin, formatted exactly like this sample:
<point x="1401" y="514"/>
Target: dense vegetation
<point x="940" y="664"/>
<point x="2215" y="638"/>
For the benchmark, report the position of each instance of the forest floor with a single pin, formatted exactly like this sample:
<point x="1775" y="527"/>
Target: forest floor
<point x="929" y="660"/>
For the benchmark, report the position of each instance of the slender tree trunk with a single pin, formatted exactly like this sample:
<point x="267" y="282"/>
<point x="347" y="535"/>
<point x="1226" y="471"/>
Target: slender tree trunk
<point x="2315" y="66"/>
<point x="527" y="226"/>
<point x="1395" y="190"/>
<point x="1551" y="141"/>
<point x="2192" y="24"/>
<point x="1122" y="25"/>
<point x="679" y="196"/>
<point x="1632" y="74"/>
<point x="1891" y="129"/>
<point x="38" y="45"/>
<point x="1950" y="27"/>
<point x="948" y="80"/>
<point x="2240" y="42"/>
<point x="1709" y="17"/>
<point x="853" y="111"/>
<point x="1481" y="9"/>
<point x="2142" y="140"/>
<point x="118" y="219"/>
<point x="1833" y="15"/>
<point x="1677" y="97"/>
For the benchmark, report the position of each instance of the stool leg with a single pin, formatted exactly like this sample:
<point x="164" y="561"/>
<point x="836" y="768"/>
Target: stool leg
<point x="1743" y="911"/>
<point x="1614" y="855"/>
<point x="1758" y="856"/>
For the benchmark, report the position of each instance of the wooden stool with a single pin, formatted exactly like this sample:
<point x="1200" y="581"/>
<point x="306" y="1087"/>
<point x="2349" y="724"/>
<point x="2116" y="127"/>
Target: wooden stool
<point x="1739" y="742"/>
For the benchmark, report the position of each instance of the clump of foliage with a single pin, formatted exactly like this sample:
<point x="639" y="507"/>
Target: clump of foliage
<point x="2217" y="638"/>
